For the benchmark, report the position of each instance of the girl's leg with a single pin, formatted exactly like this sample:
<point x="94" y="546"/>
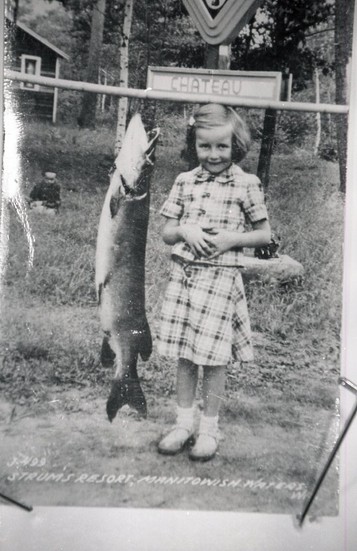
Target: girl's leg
<point x="187" y="376"/>
<point x="213" y="394"/>
<point x="214" y="379"/>
<point x="182" y="431"/>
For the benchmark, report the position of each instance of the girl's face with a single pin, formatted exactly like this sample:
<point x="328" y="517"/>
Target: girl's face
<point x="214" y="148"/>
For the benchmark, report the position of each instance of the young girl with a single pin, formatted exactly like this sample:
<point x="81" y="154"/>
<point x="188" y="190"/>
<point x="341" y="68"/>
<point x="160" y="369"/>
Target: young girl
<point x="204" y="320"/>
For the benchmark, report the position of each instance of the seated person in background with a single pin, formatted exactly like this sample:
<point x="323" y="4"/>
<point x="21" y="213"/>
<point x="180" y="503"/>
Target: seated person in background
<point x="46" y="194"/>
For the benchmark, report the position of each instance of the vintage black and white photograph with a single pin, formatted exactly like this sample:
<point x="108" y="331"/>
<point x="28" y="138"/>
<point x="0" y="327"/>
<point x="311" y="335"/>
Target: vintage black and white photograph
<point x="172" y="253"/>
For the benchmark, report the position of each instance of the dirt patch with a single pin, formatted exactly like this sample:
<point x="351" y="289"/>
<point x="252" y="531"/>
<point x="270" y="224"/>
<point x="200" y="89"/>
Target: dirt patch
<point x="65" y="452"/>
<point x="278" y="424"/>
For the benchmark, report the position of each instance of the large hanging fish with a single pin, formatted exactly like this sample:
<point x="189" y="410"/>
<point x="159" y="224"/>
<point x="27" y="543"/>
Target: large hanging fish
<point x="120" y="267"/>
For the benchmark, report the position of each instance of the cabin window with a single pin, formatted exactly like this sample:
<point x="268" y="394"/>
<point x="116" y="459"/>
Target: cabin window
<point x="31" y="65"/>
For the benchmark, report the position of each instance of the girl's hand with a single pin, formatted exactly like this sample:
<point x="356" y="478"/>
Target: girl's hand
<point x="222" y="240"/>
<point x="199" y="241"/>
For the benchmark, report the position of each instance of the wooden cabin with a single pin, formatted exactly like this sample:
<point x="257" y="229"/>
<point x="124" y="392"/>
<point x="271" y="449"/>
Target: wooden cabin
<point x="31" y="53"/>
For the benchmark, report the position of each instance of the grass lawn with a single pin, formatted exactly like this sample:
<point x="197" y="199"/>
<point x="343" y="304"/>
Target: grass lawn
<point x="279" y="419"/>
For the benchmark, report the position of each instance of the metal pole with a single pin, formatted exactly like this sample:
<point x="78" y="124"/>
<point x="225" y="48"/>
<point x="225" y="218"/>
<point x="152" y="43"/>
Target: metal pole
<point x="174" y="96"/>
<point x="350" y="386"/>
<point x="28" y="508"/>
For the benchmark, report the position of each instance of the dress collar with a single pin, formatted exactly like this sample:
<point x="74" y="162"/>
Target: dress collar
<point x="224" y="177"/>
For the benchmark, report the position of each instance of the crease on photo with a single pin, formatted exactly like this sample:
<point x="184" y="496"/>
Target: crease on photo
<point x="11" y="191"/>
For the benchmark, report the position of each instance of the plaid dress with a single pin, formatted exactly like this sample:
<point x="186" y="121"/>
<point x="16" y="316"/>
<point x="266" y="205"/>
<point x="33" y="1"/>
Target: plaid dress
<point x="204" y="316"/>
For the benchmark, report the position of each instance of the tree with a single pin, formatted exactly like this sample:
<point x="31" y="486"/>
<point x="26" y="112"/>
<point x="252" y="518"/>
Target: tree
<point x="275" y="40"/>
<point x="89" y="100"/>
<point x="343" y="42"/>
<point x="55" y="24"/>
<point x="162" y="34"/>
<point x="124" y="74"/>
<point x="155" y="38"/>
<point x="95" y="26"/>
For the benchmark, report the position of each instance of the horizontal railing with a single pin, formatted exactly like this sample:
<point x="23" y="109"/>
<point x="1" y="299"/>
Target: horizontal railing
<point x="177" y="97"/>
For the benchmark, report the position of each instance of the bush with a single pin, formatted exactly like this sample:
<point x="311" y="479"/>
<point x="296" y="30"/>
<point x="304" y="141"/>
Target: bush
<point x="68" y="106"/>
<point x="294" y="128"/>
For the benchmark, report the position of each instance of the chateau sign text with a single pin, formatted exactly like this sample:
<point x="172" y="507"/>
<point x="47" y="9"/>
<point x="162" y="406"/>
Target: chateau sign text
<point x="263" y="85"/>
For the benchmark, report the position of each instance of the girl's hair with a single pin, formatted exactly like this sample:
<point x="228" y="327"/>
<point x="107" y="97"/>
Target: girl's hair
<point x="212" y="115"/>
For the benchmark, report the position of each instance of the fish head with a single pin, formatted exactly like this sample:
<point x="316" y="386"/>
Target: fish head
<point x="135" y="162"/>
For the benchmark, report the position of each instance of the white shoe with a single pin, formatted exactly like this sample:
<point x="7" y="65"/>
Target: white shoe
<point x="206" y="445"/>
<point x="175" y="441"/>
<point x="181" y="433"/>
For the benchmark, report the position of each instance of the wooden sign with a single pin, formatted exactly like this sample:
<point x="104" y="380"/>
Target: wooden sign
<point x="230" y="84"/>
<point x="220" y="21"/>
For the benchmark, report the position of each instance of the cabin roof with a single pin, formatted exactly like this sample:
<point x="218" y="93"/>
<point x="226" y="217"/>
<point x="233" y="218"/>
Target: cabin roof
<point x="44" y="41"/>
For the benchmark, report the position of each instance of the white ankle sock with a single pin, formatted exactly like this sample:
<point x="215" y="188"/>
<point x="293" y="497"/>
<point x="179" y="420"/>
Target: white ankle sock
<point x="185" y="417"/>
<point x="209" y="425"/>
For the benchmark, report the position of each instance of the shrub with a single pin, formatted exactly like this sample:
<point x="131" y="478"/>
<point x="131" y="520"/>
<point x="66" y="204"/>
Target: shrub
<point x="68" y="106"/>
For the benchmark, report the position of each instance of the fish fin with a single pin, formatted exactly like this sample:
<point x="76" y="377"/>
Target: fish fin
<point x="126" y="391"/>
<point x="99" y="293"/>
<point x="101" y="286"/>
<point x="107" y="354"/>
<point x="114" y="205"/>
<point x="127" y="189"/>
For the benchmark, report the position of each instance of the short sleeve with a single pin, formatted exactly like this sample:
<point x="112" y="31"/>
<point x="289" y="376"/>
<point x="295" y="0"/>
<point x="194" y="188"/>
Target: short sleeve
<point x="173" y="206"/>
<point x="254" y="204"/>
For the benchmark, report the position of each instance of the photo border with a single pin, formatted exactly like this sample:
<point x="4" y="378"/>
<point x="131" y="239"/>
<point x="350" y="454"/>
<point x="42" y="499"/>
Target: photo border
<point x="90" y="528"/>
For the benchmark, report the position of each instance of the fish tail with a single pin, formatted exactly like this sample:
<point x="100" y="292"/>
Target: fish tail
<point x="126" y="391"/>
<point x="122" y="352"/>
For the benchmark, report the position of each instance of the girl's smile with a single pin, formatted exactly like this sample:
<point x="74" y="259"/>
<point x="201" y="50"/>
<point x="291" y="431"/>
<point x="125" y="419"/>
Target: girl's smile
<point x="214" y="147"/>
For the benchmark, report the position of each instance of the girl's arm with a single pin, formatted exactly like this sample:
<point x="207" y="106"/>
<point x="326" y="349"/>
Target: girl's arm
<point x="223" y="240"/>
<point x="171" y="232"/>
<point x="199" y="241"/>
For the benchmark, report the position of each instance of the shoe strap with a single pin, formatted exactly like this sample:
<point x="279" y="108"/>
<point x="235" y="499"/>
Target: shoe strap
<point x="215" y="436"/>
<point x="178" y="426"/>
<point x="209" y="427"/>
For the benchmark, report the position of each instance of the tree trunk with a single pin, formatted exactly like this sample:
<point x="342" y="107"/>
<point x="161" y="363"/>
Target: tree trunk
<point x="124" y="74"/>
<point x="343" y="52"/>
<point x="89" y="100"/>
<point x="266" y="148"/>
<point x="318" y="115"/>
